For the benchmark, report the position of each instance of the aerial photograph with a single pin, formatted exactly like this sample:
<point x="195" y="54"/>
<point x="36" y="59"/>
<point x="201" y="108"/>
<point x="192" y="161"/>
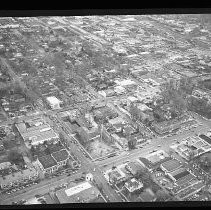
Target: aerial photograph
<point x="105" y="109"/>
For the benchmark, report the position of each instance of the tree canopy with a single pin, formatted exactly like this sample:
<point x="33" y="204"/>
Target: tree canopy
<point x="15" y="157"/>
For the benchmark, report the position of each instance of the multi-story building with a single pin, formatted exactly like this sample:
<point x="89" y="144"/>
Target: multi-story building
<point x="54" y="102"/>
<point x="51" y="163"/>
<point x="78" y="193"/>
<point x="36" y="131"/>
<point x="116" y="176"/>
<point x="133" y="185"/>
<point x="134" y="168"/>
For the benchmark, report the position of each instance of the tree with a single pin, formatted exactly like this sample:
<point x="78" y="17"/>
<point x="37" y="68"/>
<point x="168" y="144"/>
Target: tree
<point x="15" y="157"/>
<point x="140" y="173"/>
<point x="134" y="111"/>
<point x="198" y="104"/>
<point x="45" y="143"/>
<point x="61" y="137"/>
<point x="161" y="195"/>
<point x="33" y="150"/>
<point x="146" y="178"/>
<point x="172" y="95"/>
<point x="132" y="143"/>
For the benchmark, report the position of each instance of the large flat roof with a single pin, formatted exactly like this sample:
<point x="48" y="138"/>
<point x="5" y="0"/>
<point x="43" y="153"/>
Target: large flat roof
<point x="60" y="155"/>
<point x="47" y="161"/>
<point x="171" y="165"/>
<point x="53" y="100"/>
<point x="77" y="193"/>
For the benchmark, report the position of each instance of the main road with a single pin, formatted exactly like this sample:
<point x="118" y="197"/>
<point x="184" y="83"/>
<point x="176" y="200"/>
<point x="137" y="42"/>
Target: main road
<point x="158" y="143"/>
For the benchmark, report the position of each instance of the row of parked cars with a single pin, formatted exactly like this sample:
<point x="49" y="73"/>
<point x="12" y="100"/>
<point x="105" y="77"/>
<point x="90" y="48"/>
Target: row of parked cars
<point x="20" y="187"/>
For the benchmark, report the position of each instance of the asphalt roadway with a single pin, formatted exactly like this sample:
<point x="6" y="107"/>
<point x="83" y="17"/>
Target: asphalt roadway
<point x="158" y="143"/>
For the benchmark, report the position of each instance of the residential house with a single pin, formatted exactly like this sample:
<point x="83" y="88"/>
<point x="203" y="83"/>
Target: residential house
<point x="133" y="185"/>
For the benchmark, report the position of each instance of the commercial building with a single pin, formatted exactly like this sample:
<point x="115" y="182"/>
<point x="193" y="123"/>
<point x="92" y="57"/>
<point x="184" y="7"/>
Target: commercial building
<point x="51" y="163"/>
<point x="54" y="102"/>
<point x="69" y="114"/>
<point x="47" y="164"/>
<point x="133" y="185"/>
<point x="81" y="193"/>
<point x="116" y="176"/>
<point x="170" y="165"/>
<point x="181" y="175"/>
<point x="36" y="131"/>
<point x="134" y="168"/>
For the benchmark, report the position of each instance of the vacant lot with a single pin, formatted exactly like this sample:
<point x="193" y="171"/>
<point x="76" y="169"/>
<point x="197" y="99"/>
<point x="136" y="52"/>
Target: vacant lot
<point x="98" y="148"/>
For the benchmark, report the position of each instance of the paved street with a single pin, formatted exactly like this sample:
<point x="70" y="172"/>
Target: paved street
<point x="87" y="164"/>
<point x="41" y="188"/>
<point x="164" y="143"/>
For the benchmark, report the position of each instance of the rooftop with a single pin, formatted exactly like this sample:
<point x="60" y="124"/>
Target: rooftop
<point x="47" y="161"/>
<point x="32" y="201"/>
<point x="171" y="165"/>
<point x="133" y="167"/>
<point x="133" y="185"/>
<point x="36" y="130"/>
<point x="116" y="174"/>
<point x="83" y="192"/>
<point x="60" y="155"/>
<point x="53" y="100"/>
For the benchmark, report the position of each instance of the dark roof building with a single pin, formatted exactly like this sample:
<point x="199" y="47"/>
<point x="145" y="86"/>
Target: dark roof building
<point x="60" y="155"/>
<point x="181" y="175"/>
<point x="55" y="147"/>
<point x="134" y="168"/>
<point x="170" y="165"/>
<point x="47" y="161"/>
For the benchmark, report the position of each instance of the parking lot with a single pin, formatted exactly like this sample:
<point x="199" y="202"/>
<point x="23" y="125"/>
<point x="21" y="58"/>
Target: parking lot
<point x="20" y="187"/>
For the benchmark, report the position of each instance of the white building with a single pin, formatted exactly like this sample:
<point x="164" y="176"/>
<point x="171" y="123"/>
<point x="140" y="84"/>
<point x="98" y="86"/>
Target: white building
<point x="54" y="102"/>
<point x="89" y="177"/>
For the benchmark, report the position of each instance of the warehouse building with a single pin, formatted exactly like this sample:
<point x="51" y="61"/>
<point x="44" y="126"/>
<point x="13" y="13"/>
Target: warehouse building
<point x="53" y="102"/>
<point x="36" y="131"/>
<point x="81" y="193"/>
<point x="170" y="165"/>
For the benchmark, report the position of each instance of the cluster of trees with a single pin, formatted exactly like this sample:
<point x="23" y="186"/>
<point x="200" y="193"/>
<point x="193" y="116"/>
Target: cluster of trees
<point x="82" y="137"/>
<point x="15" y="157"/>
<point x="175" y="97"/>
<point x="132" y="143"/>
<point x="205" y="162"/>
<point x="162" y="195"/>
<point x="136" y="114"/>
<point x="206" y="84"/>
<point x="200" y="105"/>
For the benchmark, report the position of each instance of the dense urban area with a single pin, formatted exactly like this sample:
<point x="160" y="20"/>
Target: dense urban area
<point x="97" y="109"/>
